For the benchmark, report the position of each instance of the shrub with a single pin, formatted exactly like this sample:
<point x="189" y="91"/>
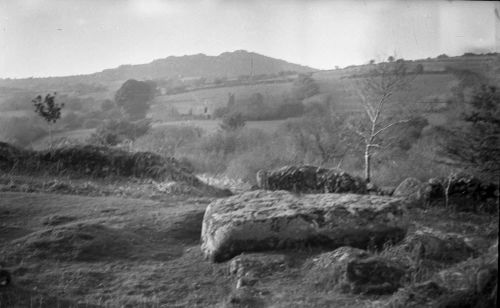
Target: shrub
<point x="232" y="122"/>
<point x="96" y="161"/>
<point x="113" y="132"/>
<point x="21" y="131"/>
<point x="167" y="140"/>
<point x="246" y="165"/>
<point x="91" y="123"/>
<point x="71" y="121"/>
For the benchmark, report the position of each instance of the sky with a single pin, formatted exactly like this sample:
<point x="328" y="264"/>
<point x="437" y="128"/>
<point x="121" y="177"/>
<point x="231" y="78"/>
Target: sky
<point x="67" y="37"/>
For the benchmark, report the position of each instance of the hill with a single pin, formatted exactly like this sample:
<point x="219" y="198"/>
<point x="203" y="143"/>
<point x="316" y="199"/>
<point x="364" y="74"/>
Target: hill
<point x="228" y="64"/>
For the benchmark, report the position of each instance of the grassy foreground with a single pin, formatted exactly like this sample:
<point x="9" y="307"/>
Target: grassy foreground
<point x="79" y="251"/>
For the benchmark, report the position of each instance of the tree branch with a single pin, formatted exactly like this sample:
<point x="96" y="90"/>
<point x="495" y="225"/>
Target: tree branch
<point x="389" y="126"/>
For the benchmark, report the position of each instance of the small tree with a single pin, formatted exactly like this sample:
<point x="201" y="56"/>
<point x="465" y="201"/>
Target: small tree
<point x="375" y="91"/>
<point x="49" y="110"/>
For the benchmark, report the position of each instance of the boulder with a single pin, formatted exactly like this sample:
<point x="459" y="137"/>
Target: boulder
<point x="357" y="271"/>
<point x="425" y="294"/>
<point x="267" y="220"/>
<point x="465" y="193"/>
<point x="411" y="189"/>
<point x="438" y="247"/>
<point x="257" y="264"/>
<point x="374" y="275"/>
<point x="335" y="181"/>
<point x="386" y="190"/>
<point x="310" y="179"/>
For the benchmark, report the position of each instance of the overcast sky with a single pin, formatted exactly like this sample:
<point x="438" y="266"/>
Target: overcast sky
<point x="67" y="37"/>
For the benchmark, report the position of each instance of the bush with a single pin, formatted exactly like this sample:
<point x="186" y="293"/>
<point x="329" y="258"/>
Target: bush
<point x="21" y="131"/>
<point x="71" y="121"/>
<point x="239" y="153"/>
<point x="91" y="123"/>
<point x="258" y="108"/>
<point x="96" y="161"/>
<point x="231" y="122"/>
<point x="167" y="140"/>
<point x="113" y="132"/>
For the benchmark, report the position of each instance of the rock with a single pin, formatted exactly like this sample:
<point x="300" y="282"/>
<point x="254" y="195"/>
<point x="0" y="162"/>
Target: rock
<point x="258" y="264"/>
<point x="415" y="296"/>
<point x="386" y="190"/>
<point x="411" y="190"/>
<point x="246" y="281"/>
<point x="472" y="283"/>
<point x="374" y="275"/>
<point x="470" y="286"/>
<point x="5" y="278"/>
<point x="310" y="179"/>
<point x="261" y="178"/>
<point x="328" y="260"/>
<point x="244" y="297"/>
<point x="335" y="181"/>
<point x="465" y="193"/>
<point x="438" y="247"/>
<point x="357" y="271"/>
<point x="295" y="178"/>
<point x="54" y="220"/>
<point x="470" y="274"/>
<point x="265" y="220"/>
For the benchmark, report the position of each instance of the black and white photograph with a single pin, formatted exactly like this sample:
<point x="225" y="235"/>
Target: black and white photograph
<point x="249" y="153"/>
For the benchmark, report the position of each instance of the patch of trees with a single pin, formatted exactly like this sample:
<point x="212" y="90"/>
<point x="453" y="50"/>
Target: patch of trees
<point x="474" y="143"/>
<point x="257" y="107"/>
<point x="134" y="98"/>
<point x="320" y="138"/>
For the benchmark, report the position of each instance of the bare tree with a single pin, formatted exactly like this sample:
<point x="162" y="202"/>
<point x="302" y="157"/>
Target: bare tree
<point x="375" y="91"/>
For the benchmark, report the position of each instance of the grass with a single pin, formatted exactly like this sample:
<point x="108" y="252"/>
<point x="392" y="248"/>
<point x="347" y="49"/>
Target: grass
<point x="211" y="126"/>
<point x="163" y="266"/>
<point x="218" y="97"/>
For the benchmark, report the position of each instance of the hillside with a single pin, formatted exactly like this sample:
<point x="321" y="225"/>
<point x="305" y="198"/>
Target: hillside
<point x="228" y="64"/>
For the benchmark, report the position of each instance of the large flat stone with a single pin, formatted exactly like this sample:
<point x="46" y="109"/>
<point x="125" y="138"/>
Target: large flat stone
<point x="271" y="220"/>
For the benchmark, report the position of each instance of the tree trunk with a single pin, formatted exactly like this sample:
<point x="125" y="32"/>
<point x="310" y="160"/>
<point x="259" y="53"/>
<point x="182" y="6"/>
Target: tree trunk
<point x="367" y="164"/>
<point x="50" y="136"/>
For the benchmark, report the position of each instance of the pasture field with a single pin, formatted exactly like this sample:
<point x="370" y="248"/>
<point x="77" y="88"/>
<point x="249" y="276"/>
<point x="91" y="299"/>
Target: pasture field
<point x="217" y="97"/>
<point x="341" y="89"/>
<point x="211" y="126"/>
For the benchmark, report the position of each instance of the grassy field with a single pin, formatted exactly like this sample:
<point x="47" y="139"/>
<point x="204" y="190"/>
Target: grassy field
<point x="218" y="97"/>
<point x="211" y="126"/>
<point x="116" y="252"/>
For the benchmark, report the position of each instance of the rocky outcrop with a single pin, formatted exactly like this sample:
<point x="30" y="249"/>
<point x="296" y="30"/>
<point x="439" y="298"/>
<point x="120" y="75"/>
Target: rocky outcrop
<point x="354" y="270"/>
<point x="438" y="247"/>
<point x="310" y="179"/>
<point x="464" y="191"/>
<point x="472" y="283"/>
<point x="411" y="189"/>
<point x="265" y="220"/>
<point x="257" y="264"/>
